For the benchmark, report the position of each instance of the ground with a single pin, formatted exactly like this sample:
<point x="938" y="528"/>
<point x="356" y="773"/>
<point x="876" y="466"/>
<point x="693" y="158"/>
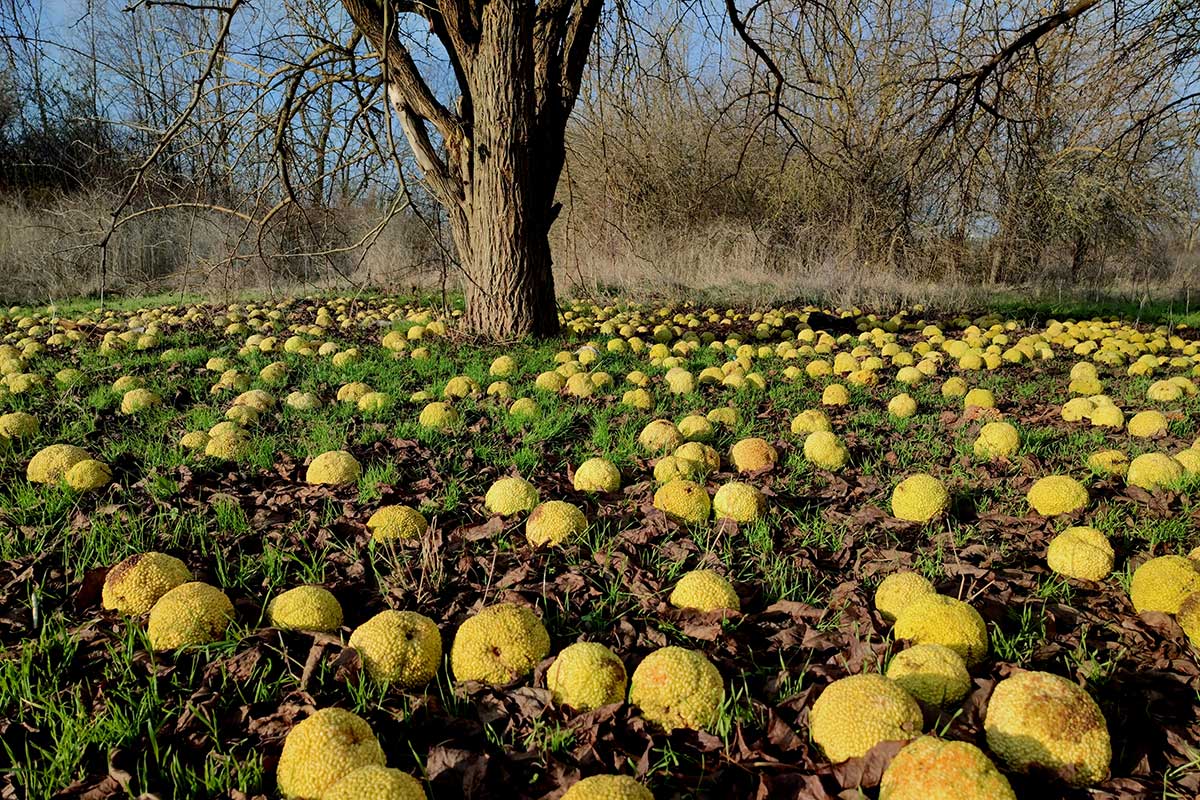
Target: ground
<point x="87" y="709"/>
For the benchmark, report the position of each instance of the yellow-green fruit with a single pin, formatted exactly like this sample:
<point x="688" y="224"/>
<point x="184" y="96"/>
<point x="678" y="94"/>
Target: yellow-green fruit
<point x="375" y="402"/>
<point x="227" y="446"/>
<point x="397" y="522"/>
<point x="136" y="400"/>
<point x="1189" y="618"/>
<point x="932" y="673"/>
<point x="376" y="782"/>
<point x="810" y="421"/>
<point x="696" y="428"/>
<point x="739" y="502"/>
<point x="932" y="769"/>
<point x="835" y="395"/>
<point x="902" y="406"/>
<point x="856" y="713"/>
<point x="460" y="386"/>
<point x="1057" y="494"/>
<point x="660" y="436"/>
<point x="136" y="584"/>
<point x="502" y="367"/>
<point x="524" y="408"/>
<point x="898" y="590"/>
<point x="18" y="425"/>
<point x="980" y="398"/>
<point x="825" y="450"/>
<point x="683" y="500"/>
<point x="1081" y="552"/>
<point x="597" y="475"/>
<point x="608" y="787"/>
<point x="399" y="647"/>
<point x="302" y="401"/>
<point x="1036" y="720"/>
<point x="1153" y="471"/>
<point x="675" y="687"/>
<point x="194" y="440"/>
<point x="669" y="468"/>
<point x="1147" y="424"/>
<point x="553" y="522"/>
<point x="499" y="645"/>
<point x="704" y="590"/>
<point x="322" y="749"/>
<point x="509" y="496"/>
<point x="88" y="475"/>
<point x="191" y="613"/>
<point x="1108" y="462"/>
<point x="996" y="440"/>
<point x="334" y="468"/>
<point x="919" y="498"/>
<point x="1189" y="459"/>
<point x="937" y="619"/>
<point x="753" y="455"/>
<point x="438" y="416"/>
<point x="586" y="675"/>
<point x="50" y="464"/>
<point x="1160" y="584"/>
<point x="305" y="608"/>
<point x="705" y="457"/>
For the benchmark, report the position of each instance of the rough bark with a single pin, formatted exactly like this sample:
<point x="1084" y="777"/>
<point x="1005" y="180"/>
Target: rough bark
<point x="518" y="66"/>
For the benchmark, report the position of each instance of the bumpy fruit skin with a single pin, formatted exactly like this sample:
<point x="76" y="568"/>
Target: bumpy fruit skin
<point x="996" y="440"/>
<point x="227" y="446"/>
<point x="1160" y="584"/>
<point x="1146" y="424"/>
<point x="18" y="425"/>
<point x="438" y="416"/>
<point x="902" y="406"/>
<point x="705" y="457"/>
<point x="136" y="400"/>
<point x="856" y="713"/>
<point x="322" y="750"/>
<point x="1039" y="720"/>
<point x="669" y="468"/>
<point x="825" y="450"/>
<point x="194" y="440"/>
<point x="553" y="522"/>
<point x="1108" y="462"/>
<point x="608" y="787"/>
<point x="509" y="496"/>
<point x="675" y="687"/>
<point x="136" y="584"/>
<point x="305" y="608"/>
<point x="88" y="475"/>
<point x="335" y="468"/>
<point x="810" y="421"/>
<point x="898" y="590"/>
<point x="499" y="645"/>
<point x="1057" y="494"/>
<point x="375" y="782"/>
<point x="502" y="367"/>
<point x="919" y="498"/>
<point x="704" y="590"/>
<point x="937" y="619"/>
<point x="585" y="676"/>
<point x="696" y="428"/>
<point x="397" y="522"/>
<point x="302" y="401"/>
<point x="50" y="464"/>
<point x="1153" y="471"/>
<point x="933" y="674"/>
<point x="683" y="500"/>
<point x="660" y="436"/>
<point x="191" y="613"/>
<point x="1081" y="552"/>
<point x="931" y="769"/>
<point x="739" y="502"/>
<point x="753" y="455"/>
<point x="597" y="475"/>
<point x="1189" y="618"/>
<point x="399" y="647"/>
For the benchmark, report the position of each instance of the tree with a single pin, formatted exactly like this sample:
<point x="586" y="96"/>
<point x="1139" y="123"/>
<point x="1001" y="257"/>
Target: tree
<point x="518" y="67"/>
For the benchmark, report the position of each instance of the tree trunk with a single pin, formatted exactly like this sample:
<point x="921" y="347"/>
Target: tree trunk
<point x="505" y="249"/>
